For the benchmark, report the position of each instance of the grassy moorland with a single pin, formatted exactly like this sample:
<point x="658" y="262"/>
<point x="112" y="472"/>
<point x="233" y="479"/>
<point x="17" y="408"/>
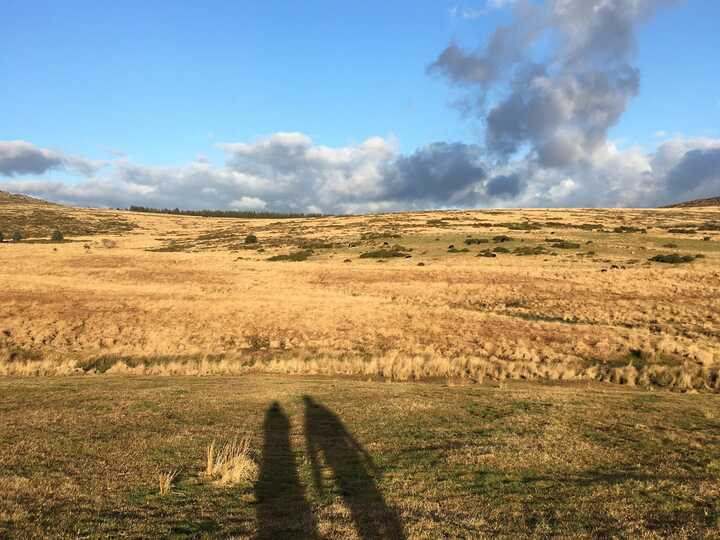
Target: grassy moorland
<point x="625" y="296"/>
<point x="343" y="458"/>
<point x="469" y="374"/>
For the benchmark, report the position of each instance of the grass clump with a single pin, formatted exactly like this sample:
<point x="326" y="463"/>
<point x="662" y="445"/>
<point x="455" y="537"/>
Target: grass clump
<point x="672" y="258"/>
<point x="251" y="239"/>
<point x="679" y="230"/>
<point x="295" y="256"/>
<point x="165" y="481"/>
<point x="486" y="253"/>
<point x="453" y="249"/>
<point x="230" y="464"/>
<point x="501" y="238"/>
<point x="474" y="241"/>
<point x="501" y="249"/>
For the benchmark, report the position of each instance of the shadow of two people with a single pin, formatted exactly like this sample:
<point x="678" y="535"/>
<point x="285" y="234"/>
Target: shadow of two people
<point x="283" y="510"/>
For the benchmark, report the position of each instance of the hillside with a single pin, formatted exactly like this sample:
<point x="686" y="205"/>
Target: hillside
<point x="37" y="219"/>
<point x="697" y="203"/>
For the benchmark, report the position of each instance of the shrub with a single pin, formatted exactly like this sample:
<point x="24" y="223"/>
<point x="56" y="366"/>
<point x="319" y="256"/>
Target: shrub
<point x="471" y="241"/>
<point x="486" y="253"/>
<point x="529" y="250"/>
<point x="17" y="236"/>
<point x="383" y="254"/>
<point x="296" y="256"/>
<point x="456" y="250"/>
<point x="672" y="258"/>
<point x="2" y="238"/>
<point x="678" y="230"/>
<point x="626" y="229"/>
<point x="501" y="249"/>
<point x="670" y="246"/>
<point x="565" y="245"/>
<point x="501" y="238"/>
<point x="57" y="236"/>
<point x="251" y="239"/>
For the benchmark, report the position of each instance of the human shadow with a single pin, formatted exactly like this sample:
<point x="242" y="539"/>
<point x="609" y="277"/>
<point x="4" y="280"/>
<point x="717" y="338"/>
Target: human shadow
<point x="353" y="470"/>
<point x="283" y="511"/>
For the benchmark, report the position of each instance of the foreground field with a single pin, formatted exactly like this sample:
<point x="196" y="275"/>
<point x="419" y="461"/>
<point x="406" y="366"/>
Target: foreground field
<point x="80" y="457"/>
<point x="628" y="296"/>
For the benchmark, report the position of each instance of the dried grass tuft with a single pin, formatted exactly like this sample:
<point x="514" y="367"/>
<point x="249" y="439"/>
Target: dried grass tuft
<point x="231" y="463"/>
<point x="165" y="481"/>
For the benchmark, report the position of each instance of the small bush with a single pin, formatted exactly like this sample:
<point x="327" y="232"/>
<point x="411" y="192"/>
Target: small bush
<point x="501" y="238"/>
<point x="486" y="253"/>
<point x="17" y="236"/>
<point x="501" y="249"/>
<point x="456" y="250"/>
<point x="472" y="241"/>
<point x="2" y="237"/>
<point x="296" y="256"/>
<point x="565" y="245"/>
<point x="672" y="258"/>
<point x="383" y="254"/>
<point x="626" y="229"/>
<point x="529" y="250"/>
<point x="678" y="230"/>
<point x="57" y="236"/>
<point x="670" y="246"/>
<point x="251" y="239"/>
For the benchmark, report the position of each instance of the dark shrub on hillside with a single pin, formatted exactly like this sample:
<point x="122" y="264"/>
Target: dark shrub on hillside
<point x="383" y="254"/>
<point x="17" y="236"/>
<point x="296" y="256"/>
<point x="471" y="241"/>
<point x="672" y="258"/>
<point x="486" y="253"/>
<point x="626" y="229"/>
<point x="251" y="239"/>
<point x="501" y="238"/>
<point x="565" y="245"/>
<point x="501" y="249"/>
<point x="57" y="236"/>
<point x="529" y="250"/>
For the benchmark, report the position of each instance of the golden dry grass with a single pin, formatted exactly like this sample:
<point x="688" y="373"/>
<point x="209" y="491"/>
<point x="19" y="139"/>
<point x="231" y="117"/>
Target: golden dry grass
<point x="186" y="295"/>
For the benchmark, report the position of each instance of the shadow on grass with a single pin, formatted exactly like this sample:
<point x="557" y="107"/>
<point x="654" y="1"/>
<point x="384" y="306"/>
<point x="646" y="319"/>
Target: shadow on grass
<point x="352" y="469"/>
<point x="283" y="511"/>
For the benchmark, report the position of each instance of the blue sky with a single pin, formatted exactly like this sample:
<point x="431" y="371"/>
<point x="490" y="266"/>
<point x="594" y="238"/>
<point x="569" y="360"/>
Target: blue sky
<point x="163" y="82"/>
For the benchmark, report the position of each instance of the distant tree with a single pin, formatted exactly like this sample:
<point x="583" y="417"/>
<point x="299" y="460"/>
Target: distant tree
<point x="17" y="236"/>
<point x="57" y="236"/>
<point x="2" y="238"/>
<point x="251" y="239"/>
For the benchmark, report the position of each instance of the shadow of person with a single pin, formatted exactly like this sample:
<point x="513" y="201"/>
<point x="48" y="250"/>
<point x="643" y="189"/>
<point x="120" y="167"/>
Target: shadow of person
<point x="353" y="470"/>
<point x="283" y="511"/>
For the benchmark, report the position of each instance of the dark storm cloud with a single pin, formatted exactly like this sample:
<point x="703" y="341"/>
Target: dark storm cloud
<point x="439" y="173"/>
<point x="506" y="186"/>
<point x="697" y="168"/>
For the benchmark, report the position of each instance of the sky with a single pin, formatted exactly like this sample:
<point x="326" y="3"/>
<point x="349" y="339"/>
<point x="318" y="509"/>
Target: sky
<point x="333" y="107"/>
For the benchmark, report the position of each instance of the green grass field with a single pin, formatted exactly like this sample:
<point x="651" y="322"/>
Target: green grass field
<point x="342" y="458"/>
